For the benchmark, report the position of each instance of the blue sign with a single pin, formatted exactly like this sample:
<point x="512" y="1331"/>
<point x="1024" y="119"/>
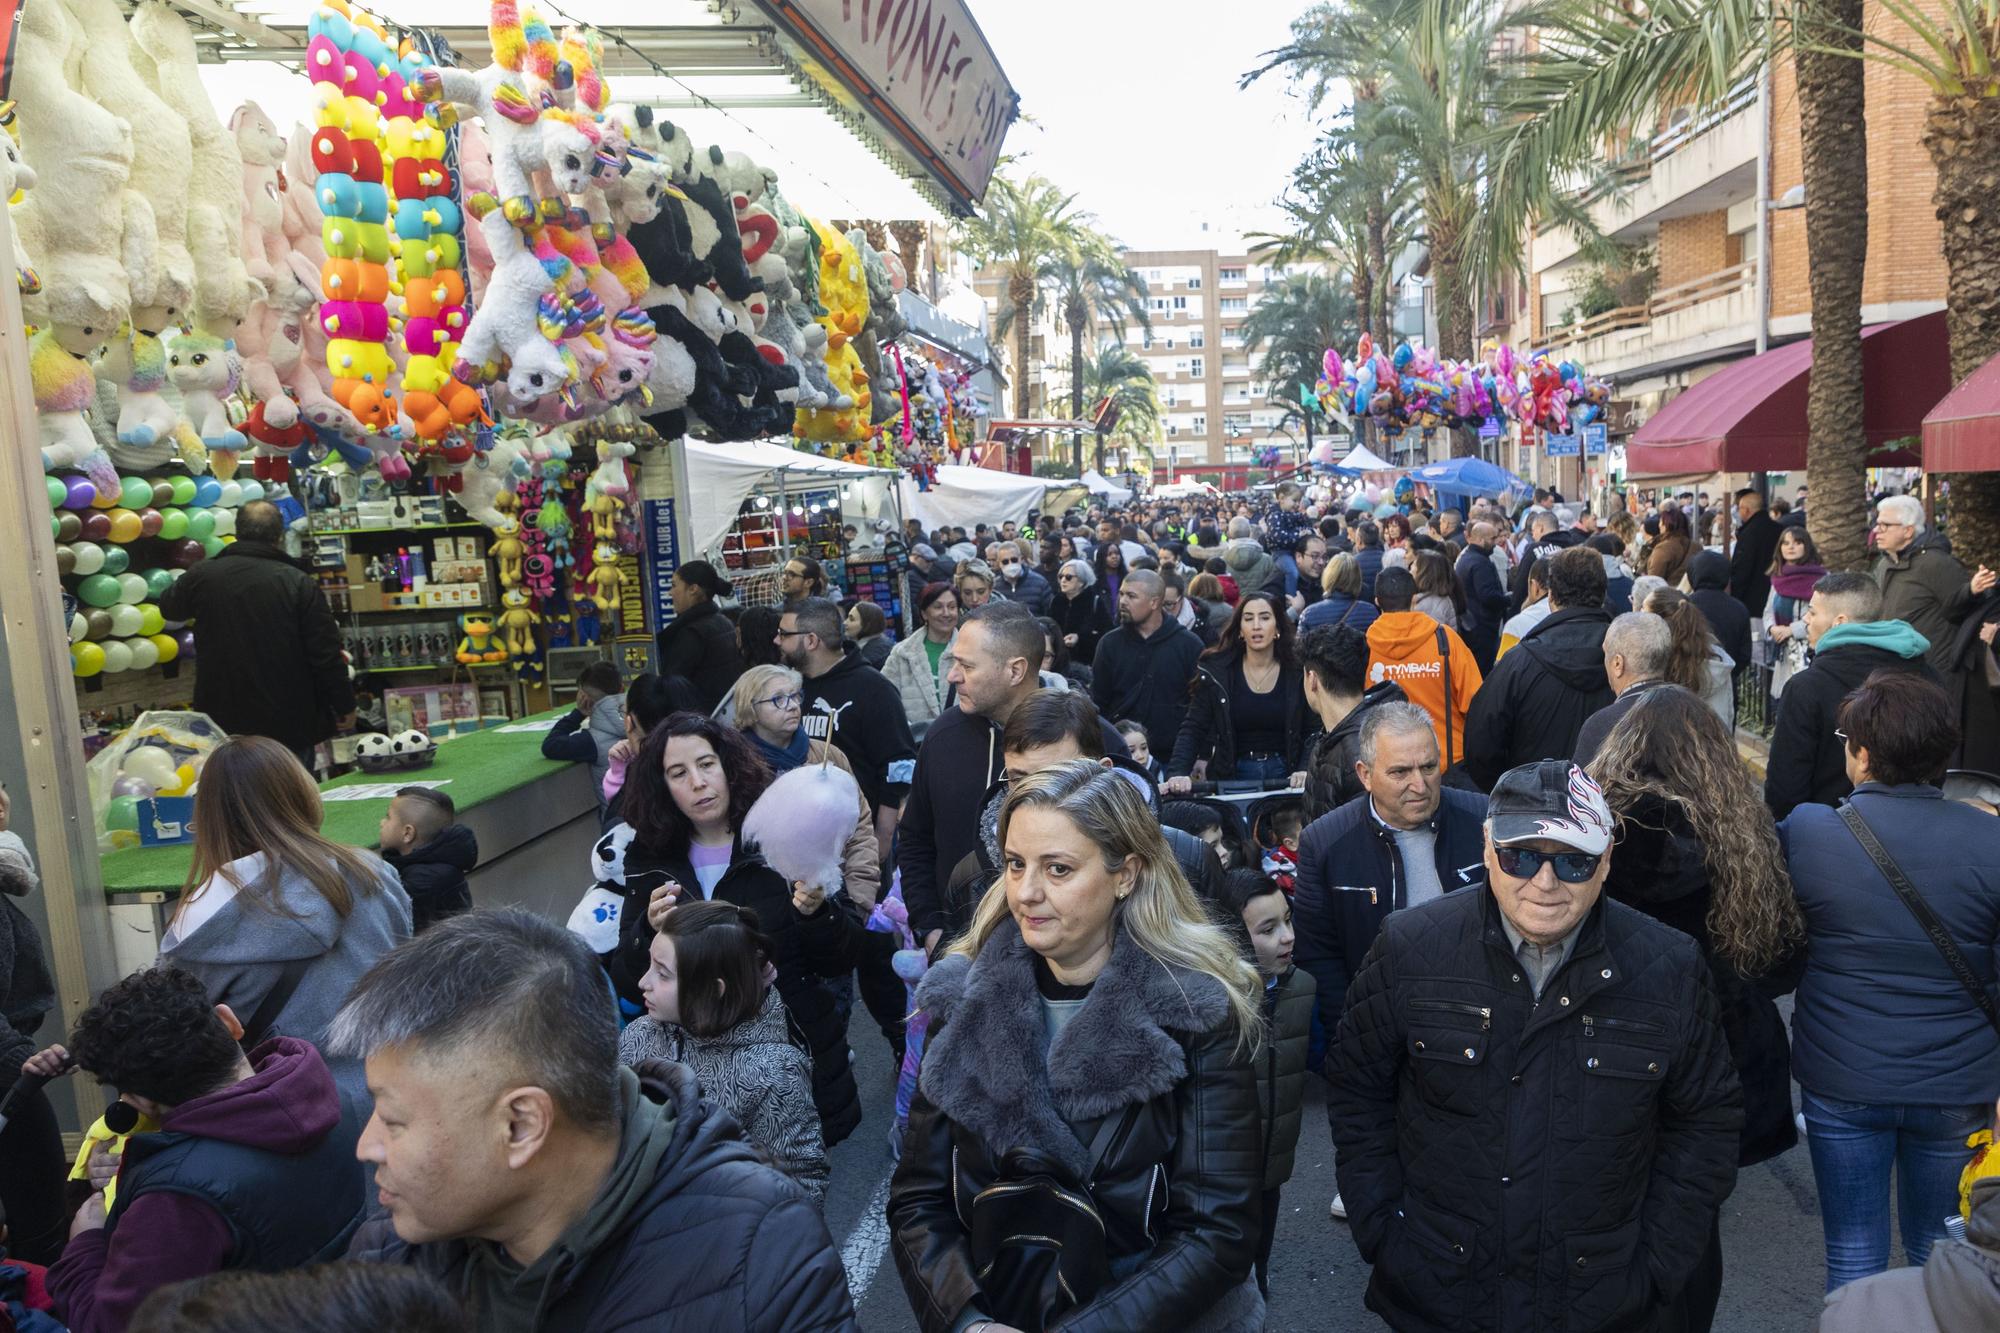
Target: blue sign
<point x="1489" y="429"/>
<point x="1596" y="438"/>
<point x="1563" y="446"/>
<point x="165" y="820"/>
<point x="663" y="557"/>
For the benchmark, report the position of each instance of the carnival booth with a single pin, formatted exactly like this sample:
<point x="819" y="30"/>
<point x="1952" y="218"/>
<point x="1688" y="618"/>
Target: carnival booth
<point x="965" y="497"/>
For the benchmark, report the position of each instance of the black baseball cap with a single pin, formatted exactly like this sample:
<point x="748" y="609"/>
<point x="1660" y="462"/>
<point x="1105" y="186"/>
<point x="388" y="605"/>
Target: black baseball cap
<point x="1552" y="799"/>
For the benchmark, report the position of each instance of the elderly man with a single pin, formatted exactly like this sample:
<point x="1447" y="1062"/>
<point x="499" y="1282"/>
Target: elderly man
<point x="1018" y="581"/>
<point x="1756" y="543"/>
<point x="1923" y="585"/>
<point x="543" y="1184"/>
<point x="1636" y="649"/>
<point x="1535" y="1117"/>
<point x="1143" y="667"/>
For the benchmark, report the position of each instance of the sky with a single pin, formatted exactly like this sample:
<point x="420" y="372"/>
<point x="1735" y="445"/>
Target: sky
<point x="1134" y="107"/>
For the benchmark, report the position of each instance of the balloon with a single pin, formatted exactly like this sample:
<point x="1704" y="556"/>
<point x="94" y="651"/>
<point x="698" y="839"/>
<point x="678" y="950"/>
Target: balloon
<point x="57" y="492"/>
<point x="131" y="588"/>
<point x="98" y="590"/>
<point x="68" y="527"/>
<point x="135" y="787"/>
<point x="85" y="659"/>
<point x="201" y="525"/>
<point x="144" y="655"/>
<point x="151" y="622"/>
<point x="187" y="554"/>
<point x="135" y="493"/>
<point x="213" y="547"/>
<point x="78" y="493"/>
<point x="150" y="522"/>
<point x="157" y="582"/>
<point x="79" y="628"/>
<point x="225" y="523"/>
<point x="232" y="494"/>
<point x="183" y="489"/>
<point x="173" y="524"/>
<point x="97" y="526"/>
<point x="183" y="776"/>
<point x="185" y="638"/>
<point x="98" y="624"/>
<point x="168" y="646"/>
<point x="207" y="490"/>
<point x="163" y="494"/>
<point x="125" y="526"/>
<point x="117" y="656"/>
<point x="65" y="561"/>
<point x="117" y="560"/>
<point x="150" y="763"/>
<point x="89" y="557"/>
<point x="125" y="620"/>
<point x="252" y="490"/>
<point x="122" y="813"/>
<point x="103" y="499"/>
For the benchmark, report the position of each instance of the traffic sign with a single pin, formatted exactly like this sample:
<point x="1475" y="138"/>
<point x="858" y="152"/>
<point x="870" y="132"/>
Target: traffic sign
<point x="1564" y="446"/>
<point x="1596" y="438"/>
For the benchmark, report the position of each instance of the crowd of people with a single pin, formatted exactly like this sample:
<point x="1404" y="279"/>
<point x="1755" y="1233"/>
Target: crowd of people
<point x="1495" y="871"/>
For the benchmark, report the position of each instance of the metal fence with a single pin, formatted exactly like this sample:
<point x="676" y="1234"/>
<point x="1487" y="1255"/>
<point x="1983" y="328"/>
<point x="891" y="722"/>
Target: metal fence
<point x="1755" y="709"/>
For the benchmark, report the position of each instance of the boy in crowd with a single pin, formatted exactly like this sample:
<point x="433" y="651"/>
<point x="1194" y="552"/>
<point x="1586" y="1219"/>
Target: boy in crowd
<point x="422" y="843"/>
<point x="587" y="732"/>
<point x="1281" y="862"/>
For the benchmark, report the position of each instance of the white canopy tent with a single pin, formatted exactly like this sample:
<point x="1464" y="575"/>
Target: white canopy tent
<point x="1103" y="488"/>
<point x="1362" y="459"/>
<point x="964" y="497"/>
<point x="720" y="477"/>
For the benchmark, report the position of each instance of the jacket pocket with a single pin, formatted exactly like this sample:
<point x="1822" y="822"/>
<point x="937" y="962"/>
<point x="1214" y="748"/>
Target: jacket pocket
<point x="1622" y="1080"/>
<point x="1427" y="1263"/>
<point x="1605" y="1286"/>
<point x="1445" y="1064"/>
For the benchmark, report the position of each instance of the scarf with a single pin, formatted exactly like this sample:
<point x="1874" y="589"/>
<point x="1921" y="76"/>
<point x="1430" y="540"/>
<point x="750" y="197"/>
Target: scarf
<point x="785" y="758"/>
<point x="1793" y="584"/>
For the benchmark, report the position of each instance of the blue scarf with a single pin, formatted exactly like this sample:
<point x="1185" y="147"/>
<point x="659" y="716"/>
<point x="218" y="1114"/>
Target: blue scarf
<point x="783" y="759"/>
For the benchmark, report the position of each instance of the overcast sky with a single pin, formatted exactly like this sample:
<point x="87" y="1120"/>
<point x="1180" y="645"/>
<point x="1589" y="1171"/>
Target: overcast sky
<point x="1135" y="108"/>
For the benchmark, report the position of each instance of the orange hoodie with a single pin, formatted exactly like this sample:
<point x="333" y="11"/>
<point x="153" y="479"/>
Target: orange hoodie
<point x="1403" y="647"/>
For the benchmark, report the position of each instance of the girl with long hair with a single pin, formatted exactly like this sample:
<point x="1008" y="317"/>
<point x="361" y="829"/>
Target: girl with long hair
<point x="266" y="888"/>
<point x="680" y="840"/>
<point x="1668" y="554"/>
<point x="1246" y="717"/>
<point x="1439" y="594"/>
<point x="916" y="666"/>
<point x="1109" y="566"/>
<point x="1795" y="568"/>
<point x="1091" y="1011"/>
<point x="1695" y="662"/>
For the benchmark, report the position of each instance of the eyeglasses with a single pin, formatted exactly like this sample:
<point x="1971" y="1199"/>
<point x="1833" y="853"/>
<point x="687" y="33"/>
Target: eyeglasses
<point x="792" y="700"/>
<point x="1840" y="735"/>
<point x="795" y="573"/>
<point x="792" y="633"/>
<point x="1066" y="578"/>
<point x="1526" y="863"/>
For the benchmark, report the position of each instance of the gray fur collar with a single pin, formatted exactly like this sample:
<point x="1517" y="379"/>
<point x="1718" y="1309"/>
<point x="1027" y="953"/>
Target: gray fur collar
<point x="984" y="1069"/>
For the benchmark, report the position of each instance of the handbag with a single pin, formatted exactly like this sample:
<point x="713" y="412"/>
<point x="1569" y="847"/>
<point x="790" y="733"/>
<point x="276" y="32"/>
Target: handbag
<point x="1038" y="1246"/>
<point x="1921" y="910"/>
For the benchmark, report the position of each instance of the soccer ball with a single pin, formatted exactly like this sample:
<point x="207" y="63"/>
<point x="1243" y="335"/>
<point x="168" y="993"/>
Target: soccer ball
<point x="414" y="745"/>
<point x="373" y="746"/>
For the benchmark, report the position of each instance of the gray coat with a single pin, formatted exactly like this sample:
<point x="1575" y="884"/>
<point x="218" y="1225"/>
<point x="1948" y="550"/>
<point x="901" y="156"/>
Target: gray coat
<point x="241" y="951"/>
<point x="1959" y="1288"/>
<point x="1926" y="587"/>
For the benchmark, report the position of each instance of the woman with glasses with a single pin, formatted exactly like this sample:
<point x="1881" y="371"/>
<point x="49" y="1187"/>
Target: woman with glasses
<point x="1082" y="608"/>
<point x="767" y="704"/>
<point x="916" y="666"/>
<point x="1896" y="1056"/>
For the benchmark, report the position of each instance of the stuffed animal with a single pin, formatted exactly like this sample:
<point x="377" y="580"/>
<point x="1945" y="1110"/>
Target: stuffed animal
<point x="274" y="445"/>
<point x="507" y="551"/>
<point x="206" y="371"/>
<point x="517" y="623"/>
<point x="587" y="623"/>
<point x="64" y="389"/>
<point x="505" y="336"/>
<point x="16" y="177"/>
<point x="262" y="151"/>
<point x="606" y="582"/>
<point x="136" y="362"/>
<point x="476" y="645"/>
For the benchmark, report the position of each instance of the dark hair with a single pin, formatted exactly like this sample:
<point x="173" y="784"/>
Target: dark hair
<point x="819" y="616"/>
<point x="260" y="521"/>
<point x="1605" y="543"/>
<point x="326" y="1298"/>
<point x="1132" y="726"/>
<point x="1367" y="534"/>
<point x="1305" y="539"/>
<point x="1215" y="565"/>
<point x="1576" y="578"/>
<point x="434" y="810"/>
<point x="1538" y="572"/>
<point x="931" y="592"/>
<point x="757" y="636"/>
<point x="1436" y="576"/>
<point x="1862" y="593"/>
<point x="650" y="699"/>
<point x="1173" y="578"/>
<point x="1338" y="656"/>
<point x="1674" y="523"/>
<point x="1058" y="651"/>
<point x="1395" y="589"/>
<point x="1241" y="887"/>
<point x="701" y="576"/>
<point x="1014" y="630"/>
<point x="156" y="1034"/>
<point x="1230" y="642"/>
<point x="1906" y="723"/>
<point x="1400" y="523"/>
<point x="815" y="576"/>
<point x="1190" y="817"/>
<point x="717" y="941"/>
<point x="873" y="622"/>
<point x="1778" y="550"/>
<point x="649" y="807"/>
<point x="1048" y="717"/>
<point x="1691" y="641"/>
<point x="601" y="676"/>
<point x="1104" y="552"/>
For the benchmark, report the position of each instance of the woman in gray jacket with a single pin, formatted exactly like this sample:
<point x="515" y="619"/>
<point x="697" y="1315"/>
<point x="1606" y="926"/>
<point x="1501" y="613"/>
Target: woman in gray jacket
<point x="278" y="920"/>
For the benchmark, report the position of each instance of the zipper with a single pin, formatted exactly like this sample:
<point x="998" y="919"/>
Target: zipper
<point x="1620" y="1024"/>
<point x="1480" y="1012"/>
<point x="1074" y="1201"/>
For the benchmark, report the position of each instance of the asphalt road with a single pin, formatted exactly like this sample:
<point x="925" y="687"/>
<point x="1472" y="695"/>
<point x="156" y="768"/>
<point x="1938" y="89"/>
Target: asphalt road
<point x="1774" y="1277"/>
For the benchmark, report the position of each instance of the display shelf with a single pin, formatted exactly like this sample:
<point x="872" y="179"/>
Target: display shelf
<point x="425" y="610"/>
<point x="418" y="527"/>
<point x="433" y="666"/>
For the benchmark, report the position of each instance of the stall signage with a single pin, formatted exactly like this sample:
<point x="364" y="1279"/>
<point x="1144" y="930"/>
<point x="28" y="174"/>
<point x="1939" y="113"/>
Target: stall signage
<point x="1596" y="438"/>
<point x="1489" y="429"/>
<point x="1563" y="446"/>
<point x="922" y="69"/>
<point x="663" y="557"/>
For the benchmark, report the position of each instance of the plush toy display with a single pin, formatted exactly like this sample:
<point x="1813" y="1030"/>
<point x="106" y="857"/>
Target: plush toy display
<point x="64" y="388"/>
<point x="207" y="372"/>
<point x="477" y="645"/>
<point x="517" y="624"/>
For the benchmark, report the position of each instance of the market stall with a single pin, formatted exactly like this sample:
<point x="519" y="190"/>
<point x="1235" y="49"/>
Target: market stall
<point x="968" y="496"/>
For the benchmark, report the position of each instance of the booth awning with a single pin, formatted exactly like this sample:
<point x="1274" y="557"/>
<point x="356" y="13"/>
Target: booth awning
<point x="1104" y="488"/>
<point x="1962" y="433"/>
<point x="1751" y="416"/>
<point x="965" y="497"/>
<point x="720" y="477"/>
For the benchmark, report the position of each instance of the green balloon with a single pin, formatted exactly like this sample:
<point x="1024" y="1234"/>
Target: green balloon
<point x="136" y="493"/>
<point x="174" y="523"/>
<point x="201" y="525"/>
<point x="183" y="490"/>
<point x="55" y="526"/>
<point x="57" y="492"/>
<point x="117" y="560"/>
<point x="122" y="813"/>
<point x="157" y="583"/>
<point x="98" y="590"/>
<point x="213" y="547"/>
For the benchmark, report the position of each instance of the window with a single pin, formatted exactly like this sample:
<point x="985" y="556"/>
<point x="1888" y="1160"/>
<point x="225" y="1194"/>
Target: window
<point x="1231" y="275"/>
<point x="1197" y="338"/>
<point x="1159" y="303"/>
<point x="1234" y="424"/>
<point x="1200" y="425"/>
<point x="1195" y="367"/>
<point x="1170" y="344"/>
<point x="1180" y="303"/>
<point x="1194" y="284"/>
<point x="1173" y="428"/>
<point x="1234" y="303"/>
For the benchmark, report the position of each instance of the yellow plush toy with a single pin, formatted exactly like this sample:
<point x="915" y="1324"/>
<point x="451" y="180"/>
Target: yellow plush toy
<point x="517" y="623"/>
<point x="477" y="645"/>
<point x="843" y="290"/>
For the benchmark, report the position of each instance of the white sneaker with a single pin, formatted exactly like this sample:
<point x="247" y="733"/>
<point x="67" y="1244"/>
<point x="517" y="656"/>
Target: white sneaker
<point x="1337" y="1208"/>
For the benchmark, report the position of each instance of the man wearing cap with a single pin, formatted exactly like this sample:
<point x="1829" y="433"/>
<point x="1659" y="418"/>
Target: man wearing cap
<point x="926" y="567"/>
<point x="1533" y="1107"/>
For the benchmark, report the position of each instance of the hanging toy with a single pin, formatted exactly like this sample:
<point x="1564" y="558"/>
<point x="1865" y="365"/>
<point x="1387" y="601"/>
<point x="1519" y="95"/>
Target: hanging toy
<point x="517" y="624"/>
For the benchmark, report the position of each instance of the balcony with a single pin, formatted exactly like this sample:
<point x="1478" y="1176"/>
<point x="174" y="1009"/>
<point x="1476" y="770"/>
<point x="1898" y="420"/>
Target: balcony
<point x="1712" y="311"/>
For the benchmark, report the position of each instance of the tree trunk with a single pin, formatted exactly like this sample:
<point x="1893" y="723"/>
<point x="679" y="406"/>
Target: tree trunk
<point x="1963" y="136"/>
<point x="1833" y="136"/>
<point x="1374" y="307"/>
<point x="1454" y="314"/>
<point x="1021" y="299"/>
<point x="910" y="244"/>
<point x="1076" y="384"/>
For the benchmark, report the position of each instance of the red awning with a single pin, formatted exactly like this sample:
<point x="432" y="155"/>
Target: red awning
<point x="1751" y="416"/>
<point x="1962" y="433"/>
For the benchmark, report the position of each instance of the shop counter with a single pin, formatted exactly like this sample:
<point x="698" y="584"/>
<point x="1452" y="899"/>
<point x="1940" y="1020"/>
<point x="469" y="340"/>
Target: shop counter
<point x="535" y="820"/>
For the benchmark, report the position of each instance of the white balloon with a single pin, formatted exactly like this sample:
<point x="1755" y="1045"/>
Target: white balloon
<point x="144" y="654"/>
<point x="89" y="557"/>
<point x="131" y="589"/>
<point x="79" y="628"/>
<point x="118" y="657"/>
<point x="225" y="525"/>
<point x="232" y="495"/>
<point x="148" y="763"/>
<point x="252" y="490"/>
<point x="125" y="620"/>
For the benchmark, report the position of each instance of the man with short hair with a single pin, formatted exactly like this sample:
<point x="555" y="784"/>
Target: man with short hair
<point x="1539" y="695"/>
<point x="545" y="1186"/>
<point x="1535" y="1115"/>
<point x="1248" y="562"/>
<point x="1018" y="582"/>
<point x="1448" y="523"/>
<point x="267" y="649"/>
<point x="1429" y="660"/>
<point x="1756" y="544"/>
<point x="1485" y="595"/>
<point x="1844" y="624"/>
<point x="586" y="733"/>
<point x="1548" y="537"/>
<point x="1368" y="555"/>
<point x="801" y="577"/>
<point x="853" y="706"/>
<point x="926" y="567"/>
<point x="252" y="1166"/>
<point x="1144" y="666"/>
<point x="1334" y="662"/>
<point x="1636" y="649"/>
<point x="1302" y="565"/>
<point x="1923" y="584"/>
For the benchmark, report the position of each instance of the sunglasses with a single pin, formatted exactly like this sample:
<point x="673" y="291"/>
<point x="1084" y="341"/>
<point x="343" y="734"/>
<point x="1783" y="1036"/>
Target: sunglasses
<point x="1526" y="863"/>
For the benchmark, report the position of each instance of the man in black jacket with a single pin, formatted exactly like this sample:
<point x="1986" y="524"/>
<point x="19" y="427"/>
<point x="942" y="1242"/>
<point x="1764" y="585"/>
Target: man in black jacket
<point x="1750" y="564"/>
<point x="542" y="1184"/>
<point x="1535" y="1117"/>
<point x="1548" y="537"/>
<point x="851" y="705"/>
<point x="1536" y="700"/>
<point x="1335" y="662"/>
<point x="1709" y="575"/>
<point x="1144" y="667"/>
<point x="1485" y="596"/>
<point x="1850" y="640"/>
<point x="267" y="649"/>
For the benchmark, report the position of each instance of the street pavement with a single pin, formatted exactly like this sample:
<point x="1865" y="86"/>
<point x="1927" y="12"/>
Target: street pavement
<point x="1770" y="1228"/>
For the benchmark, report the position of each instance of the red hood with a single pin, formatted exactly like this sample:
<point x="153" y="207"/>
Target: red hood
<point x="287" y="1106"/>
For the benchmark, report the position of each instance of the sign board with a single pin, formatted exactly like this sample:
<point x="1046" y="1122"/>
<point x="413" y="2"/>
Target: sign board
<point x="1563" y="446"/>
<point x="1489" y="429"/>
<point x="166" y="820"/>
<point x="663" y="557"/>
<point x="1596" y="439"/>
<point x="921" y="69"/>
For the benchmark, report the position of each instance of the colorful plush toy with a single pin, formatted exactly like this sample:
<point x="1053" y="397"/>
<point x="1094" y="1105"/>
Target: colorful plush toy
<point x="17" y="177"/>
<point x="64" y="390"/>
<point x="477" y="645"/>
<point x="505" y="337"/>
<point x="206" y="371"/>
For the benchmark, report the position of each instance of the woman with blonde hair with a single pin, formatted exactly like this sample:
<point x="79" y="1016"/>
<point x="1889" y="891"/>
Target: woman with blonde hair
<point x="276" y="919"/>
<point x="1340" y="602"/>
<point x="1088" y="1080"/>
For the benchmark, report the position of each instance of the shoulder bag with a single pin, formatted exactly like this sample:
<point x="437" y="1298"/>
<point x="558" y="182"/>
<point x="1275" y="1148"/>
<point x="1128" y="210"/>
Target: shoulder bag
<point x="1921" y="910"/>
<point x="259" y="1026"/>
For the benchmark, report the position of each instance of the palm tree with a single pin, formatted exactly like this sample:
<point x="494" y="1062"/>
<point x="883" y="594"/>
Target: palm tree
<point x="1120" y="374"/>
<point x="1024" y="224"/>
<point x="1092" y="289"/>
<point x="1298" y="318"/>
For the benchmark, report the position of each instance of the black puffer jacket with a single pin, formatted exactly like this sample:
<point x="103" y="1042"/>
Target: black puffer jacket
<point x="434" y="874"/>
<point x="1209" y="729"/>
<point x="1808" y="762"/>
<point x="719" y="1240"/>
<point x="1178" y="1184"/>
<point x="1281" y="1070"/>
<point x="699" y="645"/>
<point x="1330" y="777"/>
<point x="1513" y="1165"/>
<point x="1536" y="700"/>
<point x="1088" y="615"/>
<point x="805" y="949"/>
